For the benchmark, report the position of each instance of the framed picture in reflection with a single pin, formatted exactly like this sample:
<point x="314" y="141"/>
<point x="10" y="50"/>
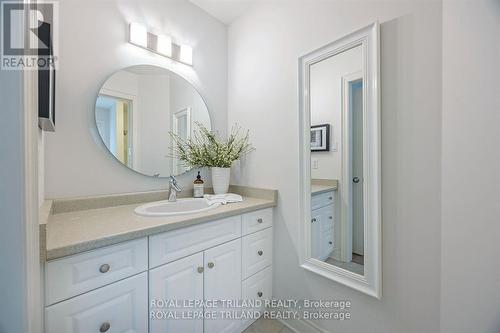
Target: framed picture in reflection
<point x="320" y="137"/>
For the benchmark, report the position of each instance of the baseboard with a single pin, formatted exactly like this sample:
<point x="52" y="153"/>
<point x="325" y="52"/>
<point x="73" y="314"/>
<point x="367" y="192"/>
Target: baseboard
<point x="302" y="326"/>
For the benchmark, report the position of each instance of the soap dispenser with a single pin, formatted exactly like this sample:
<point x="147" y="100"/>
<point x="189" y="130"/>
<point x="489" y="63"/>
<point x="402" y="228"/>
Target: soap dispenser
<point x="198" y="185"/>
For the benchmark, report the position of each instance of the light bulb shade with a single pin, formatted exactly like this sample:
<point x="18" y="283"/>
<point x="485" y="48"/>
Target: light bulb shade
<point x="138" y="34"/>
<point x="186" y="54"/>
<point x="164" y="45"/>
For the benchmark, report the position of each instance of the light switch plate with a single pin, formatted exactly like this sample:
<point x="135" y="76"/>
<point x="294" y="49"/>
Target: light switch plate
<point x="315" y="163"/>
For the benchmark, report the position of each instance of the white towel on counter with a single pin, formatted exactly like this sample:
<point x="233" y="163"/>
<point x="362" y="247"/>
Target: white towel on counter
<point x="222" y="198"/>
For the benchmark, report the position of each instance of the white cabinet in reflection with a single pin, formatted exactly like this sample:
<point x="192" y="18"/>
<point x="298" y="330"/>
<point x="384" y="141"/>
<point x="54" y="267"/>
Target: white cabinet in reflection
<point x="322" y="223"/>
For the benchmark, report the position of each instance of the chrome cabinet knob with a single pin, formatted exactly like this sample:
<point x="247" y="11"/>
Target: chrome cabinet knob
<point x="260" y="294"/>
<point x="356" y="180"/>
<point x="330" y="243"/>
<point x="210" y="265"/>
<point x="260" y="252"/>
<point x="330" y="217"/>
<point x="104" y="268"/>
<point x="259" y="220"/>
<point x="104" y="327"/>
<point x="200" y="270"/>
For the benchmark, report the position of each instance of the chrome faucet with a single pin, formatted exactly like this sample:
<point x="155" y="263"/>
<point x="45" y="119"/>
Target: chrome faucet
<point x="174" y="188"/>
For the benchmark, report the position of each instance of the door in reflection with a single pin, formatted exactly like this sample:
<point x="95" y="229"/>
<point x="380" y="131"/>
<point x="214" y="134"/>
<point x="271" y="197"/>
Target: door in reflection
<point x="356" y="98"/>
<point x="114" y="123"/>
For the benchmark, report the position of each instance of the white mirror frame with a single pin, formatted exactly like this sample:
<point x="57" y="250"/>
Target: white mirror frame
<point x="371" y="282"/>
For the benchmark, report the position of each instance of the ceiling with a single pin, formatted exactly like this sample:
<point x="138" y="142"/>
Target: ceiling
<point x="225" y="11"/>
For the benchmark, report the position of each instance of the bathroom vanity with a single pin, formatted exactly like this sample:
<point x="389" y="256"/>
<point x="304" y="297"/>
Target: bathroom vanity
<point x="110" y="270"/>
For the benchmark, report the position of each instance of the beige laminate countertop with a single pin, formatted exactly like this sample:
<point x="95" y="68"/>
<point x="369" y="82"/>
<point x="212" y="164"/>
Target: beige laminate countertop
<point x="318" y="189"/>
<point x="319" y="186"/>
<point x="71" y="230"/>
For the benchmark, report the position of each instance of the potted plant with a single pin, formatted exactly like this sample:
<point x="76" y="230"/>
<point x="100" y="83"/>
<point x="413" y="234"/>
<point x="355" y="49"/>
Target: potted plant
<point x="207" y="149"/>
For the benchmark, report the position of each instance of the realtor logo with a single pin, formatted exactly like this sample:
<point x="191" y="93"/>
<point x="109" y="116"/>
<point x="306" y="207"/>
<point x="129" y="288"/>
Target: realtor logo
<point x="28" y="35"/>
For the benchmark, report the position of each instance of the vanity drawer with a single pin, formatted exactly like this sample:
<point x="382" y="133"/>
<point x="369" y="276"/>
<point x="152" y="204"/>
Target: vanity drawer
<point x="257" y="287"/>
<point x="327" y="245"/>
<point x="257" y="220"/>
<point x="321" y="200"/>
<point x="74" y="275"/>
<point x="326" y="218"/>
<point x="176" y="244"/>
<point x="257" y="252"/>
<point x="119" y="307"/>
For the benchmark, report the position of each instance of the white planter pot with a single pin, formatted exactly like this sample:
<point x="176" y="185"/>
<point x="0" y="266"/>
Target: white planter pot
<point x="220" y="180"/>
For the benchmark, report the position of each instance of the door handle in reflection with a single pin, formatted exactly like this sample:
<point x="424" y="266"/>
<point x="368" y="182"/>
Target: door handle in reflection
<point x="356" y="180"/>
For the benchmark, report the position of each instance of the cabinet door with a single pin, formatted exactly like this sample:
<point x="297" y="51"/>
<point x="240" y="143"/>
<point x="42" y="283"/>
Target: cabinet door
<point x="223" y="282"/>
<point x="180" y="281"/>
<point x="119" y="307"/>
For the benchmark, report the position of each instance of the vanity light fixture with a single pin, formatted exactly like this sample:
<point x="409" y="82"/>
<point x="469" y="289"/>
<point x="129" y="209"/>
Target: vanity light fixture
<point x="160" y="44"/>
<point x="138" y="34"/>
<point x="164" y="45"/>
<point x="186" y="54"/>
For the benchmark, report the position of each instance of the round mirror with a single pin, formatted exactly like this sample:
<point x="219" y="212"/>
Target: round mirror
<point x="136" y="110"/>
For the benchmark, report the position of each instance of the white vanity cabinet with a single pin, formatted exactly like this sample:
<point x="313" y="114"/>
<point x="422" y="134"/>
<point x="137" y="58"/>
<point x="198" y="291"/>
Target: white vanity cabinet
<point x="124" y="287"/>
<point x="322" y="222"/>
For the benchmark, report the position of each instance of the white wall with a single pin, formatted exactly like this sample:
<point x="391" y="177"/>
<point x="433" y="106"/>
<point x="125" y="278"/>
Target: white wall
<point x="326" y="107"/>
<point x="264" y="46"/>
<point x="470" y="285"/>
<point x="154" y="121"/>
<point x="93" y="45"/>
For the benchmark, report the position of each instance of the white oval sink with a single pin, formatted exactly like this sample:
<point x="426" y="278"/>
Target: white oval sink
<point x="179" y="207"/>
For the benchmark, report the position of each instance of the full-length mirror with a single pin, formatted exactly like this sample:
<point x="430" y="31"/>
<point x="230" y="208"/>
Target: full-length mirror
<point x="136" y="110"/>
<point x="341" y="161"/>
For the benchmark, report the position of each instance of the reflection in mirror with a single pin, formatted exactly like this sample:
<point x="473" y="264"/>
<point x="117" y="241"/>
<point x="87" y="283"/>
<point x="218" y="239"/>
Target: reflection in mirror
<point x="340" y="161"/>
<point x="113" y="117"/>
<point x="336" y="106"/>
<point x="135" y="111"/>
